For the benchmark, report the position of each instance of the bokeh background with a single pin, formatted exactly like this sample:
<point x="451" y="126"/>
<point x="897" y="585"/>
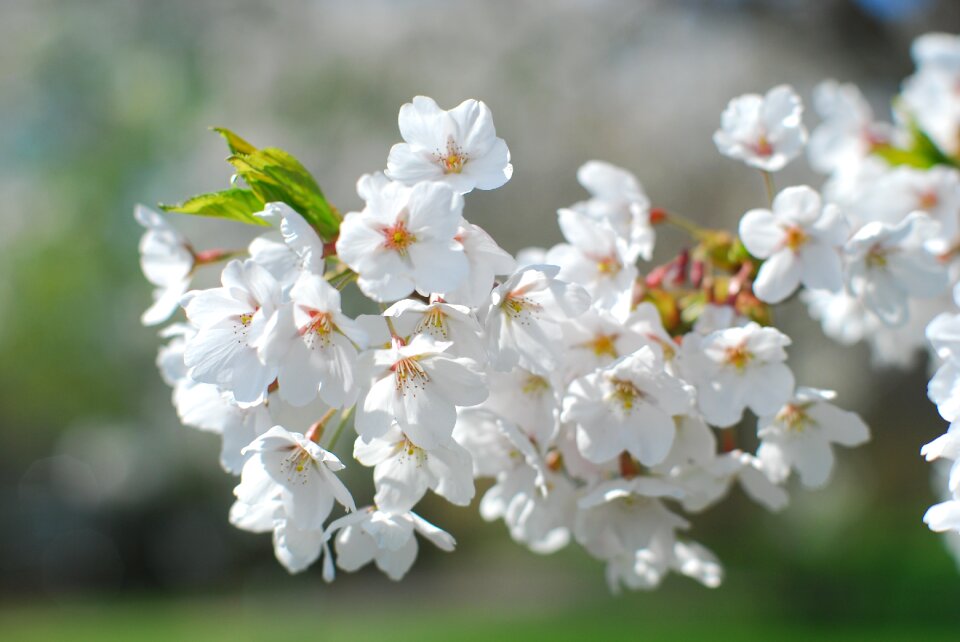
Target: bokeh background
<point x="114" y="517"/>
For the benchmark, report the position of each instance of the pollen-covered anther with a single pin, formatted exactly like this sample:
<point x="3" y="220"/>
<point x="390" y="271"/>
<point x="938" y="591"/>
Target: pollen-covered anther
<point x="519" y="307"/>
<point x="453" y="160"/>
<point x="398" y="238"/>
<point x="408" y="449"/>
<point x="296" y="464"/>
<point x="408" y="374"/>
<point x="625" y="393"/>
<point x="433" y="323"/>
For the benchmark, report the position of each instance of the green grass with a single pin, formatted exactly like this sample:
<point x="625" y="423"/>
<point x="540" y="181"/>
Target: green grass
<point x="710" y="616"/>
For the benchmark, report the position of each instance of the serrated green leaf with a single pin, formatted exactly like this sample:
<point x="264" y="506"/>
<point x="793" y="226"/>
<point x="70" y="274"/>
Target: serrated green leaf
<point x="236" y="144"/>
<point x="234" y="204"/>
<point x="275" y="175"/>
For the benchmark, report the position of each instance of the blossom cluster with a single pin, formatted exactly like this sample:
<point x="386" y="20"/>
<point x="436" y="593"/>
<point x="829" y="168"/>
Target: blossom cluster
<point x="607" y="406"/>
<point x="876" y="251"/>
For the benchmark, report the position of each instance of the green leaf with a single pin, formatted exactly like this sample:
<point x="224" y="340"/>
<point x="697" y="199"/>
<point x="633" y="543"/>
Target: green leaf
<point x="275" y="175"/>
<point x="909" y="157"/>
<point x="923" y="153"/>
<point x="236" y="144"/>
<point x="234" y="204"/>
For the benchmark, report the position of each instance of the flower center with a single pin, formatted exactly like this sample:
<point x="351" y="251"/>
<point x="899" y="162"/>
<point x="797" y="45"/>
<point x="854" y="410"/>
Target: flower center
<point x="928" y="200"/>
<point x="320" y="327"/>
<point x="434" y="323"/>
<point x="625" y="393"/>
<point x="795" y="237"/>
<point x="608" y="265"/>
<point x="296" y="464"/>
<point x="738" y="356"/>
<point x="877" y="257"/>
<point x="246" y="318"/>
<point x="520" y="308"/>
<point x="794" y="417"/>
<point x="408" y="373"/>
<point x="453" y="161"/>
<point x="763" y="146"/>
<point x="409" y="450"/>
<point x="320" y="322"/>
<point x="398" y="238"/>
<point x="534" y="385"/>
<point x="603" y="345"/>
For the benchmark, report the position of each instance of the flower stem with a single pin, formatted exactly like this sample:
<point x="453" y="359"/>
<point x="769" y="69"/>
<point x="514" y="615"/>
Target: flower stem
<point x="768" y="183"/>
<point x="390" y="326"/>
<point x="685" y="224"/>
<point x="347" y="280"/>
<point x="343" y="422"/>
<point x="316" y="430"/>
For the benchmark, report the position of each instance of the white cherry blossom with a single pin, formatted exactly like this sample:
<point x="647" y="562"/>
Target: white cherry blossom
<point x="457" y="146"/>
<point x="402" y="471"/>
<point x="618" y="199"/>
<point x="886" y="264"/>
<point x="522" y="322"/>
<point x="313" y="345"/>
<point x="487" y="261"/>
<point x="596" y="258"/>
<point x="419" y="387"/>
<point x="443" y="322"/>
<point x="528" y="400"/>
<point x="800" y="436"/>
<point x="707" y="482"/>
<point x="848" y="132"/>
<point x="738" y="368"/>
<point x="627" y="406"/>
<point x="295" y="250"/>
<point x="386" y="539"/>
<point x="298" y="471"/>
<point x="540" y="520"/>
<point x="930" y="94"/>
<point x="232" y="320"/>
<point x="800" y="242"/>
<point x="205" y="407"/>
<point x="404" y="239"/>
<point x="623" y="516"/>
<point x="167" y="261"/>
<point x="765" y="132"/>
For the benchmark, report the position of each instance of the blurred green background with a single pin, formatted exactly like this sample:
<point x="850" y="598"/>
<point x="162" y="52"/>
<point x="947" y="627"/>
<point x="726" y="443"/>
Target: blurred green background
<point x="114" y="517"/>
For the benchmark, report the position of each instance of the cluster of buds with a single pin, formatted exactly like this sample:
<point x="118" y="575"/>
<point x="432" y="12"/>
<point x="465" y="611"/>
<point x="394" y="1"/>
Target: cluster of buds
<point x="607" y="405"/>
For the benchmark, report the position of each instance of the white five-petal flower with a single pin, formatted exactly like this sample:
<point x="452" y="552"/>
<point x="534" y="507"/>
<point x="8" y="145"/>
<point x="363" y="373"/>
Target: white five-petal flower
<point x="314" y="345"/>
<point x="232" y="320"/>
<point x="627" y="406"/>
<point x="738" y="368"/>
<point x="765" y="132"/>
<point x="800" y="242"/>
<point x="404" y="239"/>
<point x="800" y="435"/>
<point x="457" y="146"/>
<point x="419" y="387"/>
